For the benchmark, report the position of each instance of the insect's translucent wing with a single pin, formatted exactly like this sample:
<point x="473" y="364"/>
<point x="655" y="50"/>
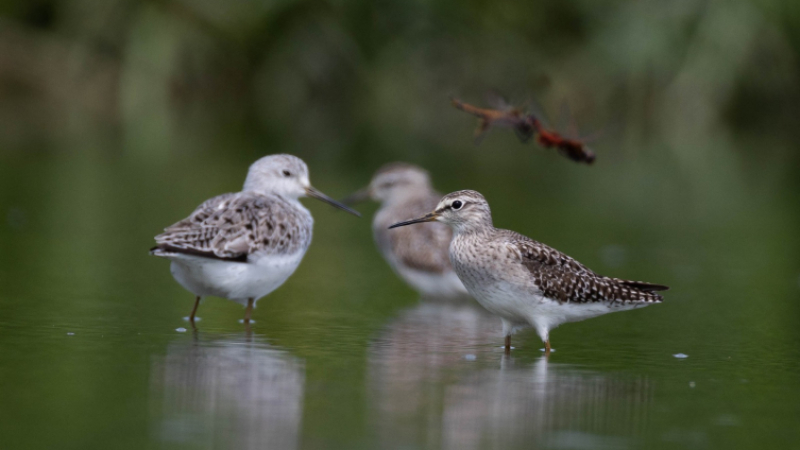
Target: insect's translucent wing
<point x="615" y="128"/>
<point x="566" y="122"/>
<point x="481" y="131"/>
<point x="535" y="108"/>
<point x="497" y="101"/>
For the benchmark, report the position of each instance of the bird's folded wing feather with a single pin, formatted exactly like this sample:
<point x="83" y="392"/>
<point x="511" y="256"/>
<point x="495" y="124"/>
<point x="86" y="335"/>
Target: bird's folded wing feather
<point x="423" y="247"/>
<point x="562" y="278"/>
<point x="233" y="226"/>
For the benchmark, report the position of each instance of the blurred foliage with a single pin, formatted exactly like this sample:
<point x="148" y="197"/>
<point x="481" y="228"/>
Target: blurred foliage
<point x="364" y="81"/>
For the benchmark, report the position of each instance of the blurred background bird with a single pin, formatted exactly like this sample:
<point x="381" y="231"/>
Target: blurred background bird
<point x="418" y="256"/>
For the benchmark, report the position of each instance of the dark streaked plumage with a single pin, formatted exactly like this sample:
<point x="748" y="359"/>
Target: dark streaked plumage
<point x="562" y="278"/>
<point x="234" y="226"/>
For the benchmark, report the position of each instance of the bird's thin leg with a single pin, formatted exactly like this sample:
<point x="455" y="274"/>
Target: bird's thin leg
<point x="547" y="347"/>
<point x="194" y="310"/>
<point x="249" y="310"/>
<point x="508" y="344"/>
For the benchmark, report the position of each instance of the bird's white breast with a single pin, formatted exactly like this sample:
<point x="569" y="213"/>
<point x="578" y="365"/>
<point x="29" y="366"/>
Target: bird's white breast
<point x="236" y="281"/>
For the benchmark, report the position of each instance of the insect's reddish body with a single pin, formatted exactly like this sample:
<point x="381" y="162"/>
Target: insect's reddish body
<point x="525" y="125"/>
<point x="571" y="148"/>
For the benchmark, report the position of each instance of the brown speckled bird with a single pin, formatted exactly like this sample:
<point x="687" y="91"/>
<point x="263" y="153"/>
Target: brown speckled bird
<point x="525" y="282"/>
<point x="418" y="256"/>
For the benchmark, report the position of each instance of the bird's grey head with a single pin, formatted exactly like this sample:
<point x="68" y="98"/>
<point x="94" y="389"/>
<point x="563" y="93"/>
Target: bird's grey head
<point x="279" y="174"/>
<point x="464" y="211"/>
<point x="285" y="175"/>
<point x="395" y="181"/>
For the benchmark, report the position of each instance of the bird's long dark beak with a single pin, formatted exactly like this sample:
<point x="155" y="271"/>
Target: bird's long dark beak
<point x="430" y="217"/>
<point x="313" y="193"/>
<point x="357" y="197"/>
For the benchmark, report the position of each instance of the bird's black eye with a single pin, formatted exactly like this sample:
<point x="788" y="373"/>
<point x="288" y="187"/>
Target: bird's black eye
<point x="286" y="173"/>
<point x="457" y="204"/>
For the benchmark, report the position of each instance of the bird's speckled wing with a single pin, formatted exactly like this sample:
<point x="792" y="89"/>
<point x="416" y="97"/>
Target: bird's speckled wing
<point x="562" y="278"/>
<point x="422" y="247"/>
<point x="233" y="226"/>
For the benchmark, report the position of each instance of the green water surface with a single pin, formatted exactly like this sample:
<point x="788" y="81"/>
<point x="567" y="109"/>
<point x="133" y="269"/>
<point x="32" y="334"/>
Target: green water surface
<point x="94" y="351"/>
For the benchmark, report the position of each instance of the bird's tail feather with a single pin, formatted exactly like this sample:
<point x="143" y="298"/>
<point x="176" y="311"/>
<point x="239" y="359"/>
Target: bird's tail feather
<point x="644" y="286"/>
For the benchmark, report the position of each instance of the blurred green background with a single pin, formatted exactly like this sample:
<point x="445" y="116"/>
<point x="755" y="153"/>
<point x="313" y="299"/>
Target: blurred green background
<point x="118" y="117"/>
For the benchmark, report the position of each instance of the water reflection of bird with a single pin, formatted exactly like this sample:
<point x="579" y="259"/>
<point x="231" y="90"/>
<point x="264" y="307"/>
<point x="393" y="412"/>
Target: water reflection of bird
<point x="525" y="282"/>
<point x="419" y="256"/>
<point x="426" y="393"/>
<point x="244" y="245"/>
<point x="417" y="352"/>
<point x="230" y="393"/>
<point x="548" y="404"/>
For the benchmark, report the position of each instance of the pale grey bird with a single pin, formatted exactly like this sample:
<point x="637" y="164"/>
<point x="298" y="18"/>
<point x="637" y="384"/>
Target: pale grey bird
<point x="525" y="282"/>
<point x="418" y="256"/>
<point x="244" y="245"/>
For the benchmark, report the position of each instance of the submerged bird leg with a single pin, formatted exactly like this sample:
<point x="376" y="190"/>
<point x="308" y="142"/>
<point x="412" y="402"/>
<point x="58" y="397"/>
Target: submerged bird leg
<point x="547" y="347"/>
<point x="248" y="332"/>
<point x="194" y="310"/>
<point x="508" y="344"/>
<point x="249" y="310"/>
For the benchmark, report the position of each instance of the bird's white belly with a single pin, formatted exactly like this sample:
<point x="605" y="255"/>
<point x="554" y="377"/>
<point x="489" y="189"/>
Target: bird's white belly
<point x="521" y="309"/>
<point x="503" y="300"/>
<point x="236" y="281"/>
